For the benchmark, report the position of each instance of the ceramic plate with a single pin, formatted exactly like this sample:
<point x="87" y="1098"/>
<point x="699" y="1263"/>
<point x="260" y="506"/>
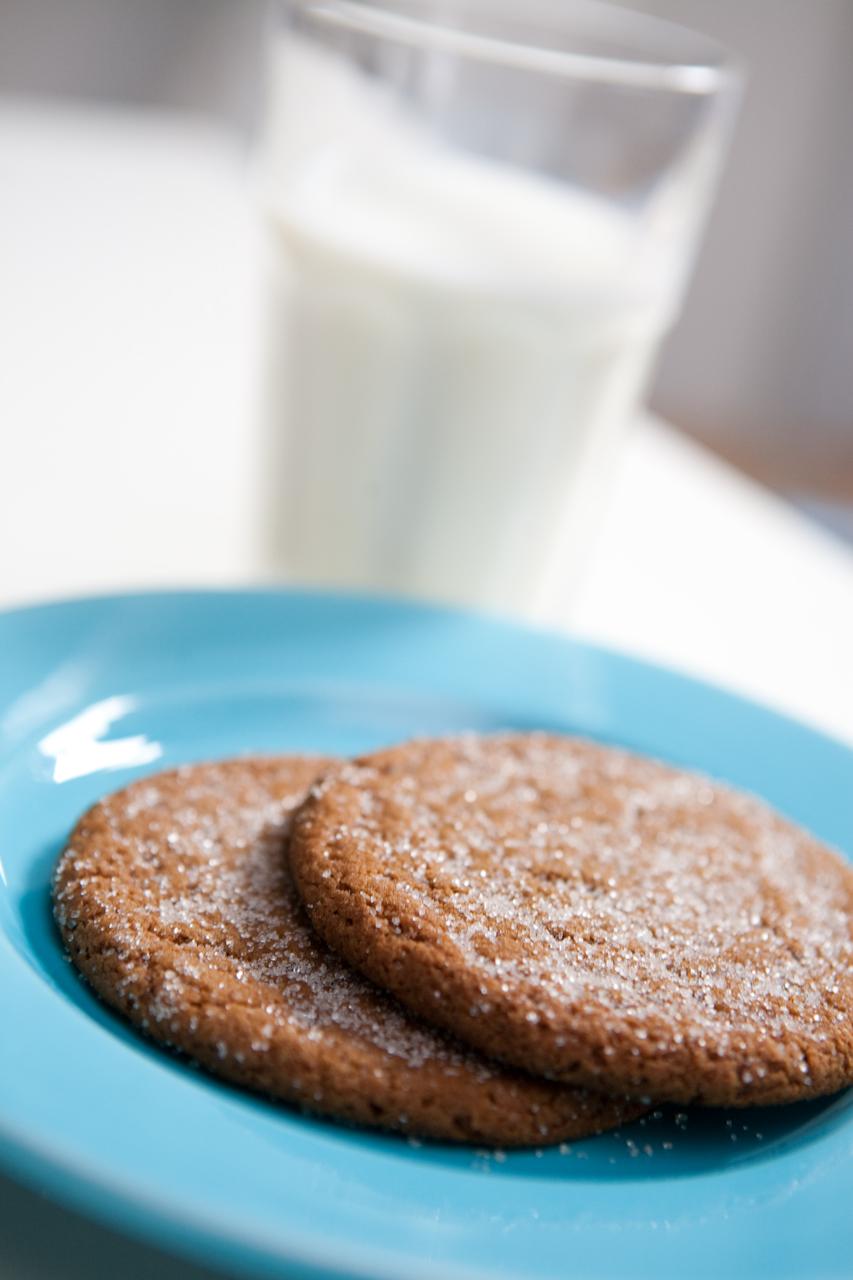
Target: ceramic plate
<point x="96" y="692"/>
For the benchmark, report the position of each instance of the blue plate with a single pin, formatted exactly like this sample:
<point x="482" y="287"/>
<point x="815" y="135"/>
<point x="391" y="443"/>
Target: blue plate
<point x="95" y="692"/>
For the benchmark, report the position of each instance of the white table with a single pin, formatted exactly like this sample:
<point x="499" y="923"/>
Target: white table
<point x="127" y="333"/>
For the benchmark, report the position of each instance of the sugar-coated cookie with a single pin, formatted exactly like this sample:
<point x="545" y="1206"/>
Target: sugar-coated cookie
<point x="174" y="900"/>
<point x="590" y="915"/>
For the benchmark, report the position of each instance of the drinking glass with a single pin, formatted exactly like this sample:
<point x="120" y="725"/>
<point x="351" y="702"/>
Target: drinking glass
<point x="478" y="221"/>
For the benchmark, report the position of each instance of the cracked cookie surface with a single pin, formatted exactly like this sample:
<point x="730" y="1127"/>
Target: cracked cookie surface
<point x="174" y="900"/>
<point x="590" y="915"/>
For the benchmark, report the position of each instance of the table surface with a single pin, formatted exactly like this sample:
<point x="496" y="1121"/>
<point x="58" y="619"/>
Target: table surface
<point x="128" y="337"/>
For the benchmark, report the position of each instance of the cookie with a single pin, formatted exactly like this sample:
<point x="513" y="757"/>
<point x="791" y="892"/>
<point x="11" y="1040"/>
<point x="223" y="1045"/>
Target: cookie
<point x="590" y="915"/>
<point x="175" y="902"/>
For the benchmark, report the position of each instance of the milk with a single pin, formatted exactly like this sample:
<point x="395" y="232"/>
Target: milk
<point x="452" y="347"/>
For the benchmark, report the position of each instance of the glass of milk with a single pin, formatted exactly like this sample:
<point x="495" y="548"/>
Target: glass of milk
<point x="479" y="215"/>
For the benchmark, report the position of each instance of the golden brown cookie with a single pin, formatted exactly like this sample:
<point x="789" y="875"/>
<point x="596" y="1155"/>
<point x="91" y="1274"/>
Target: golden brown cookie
<point x="589" y="915"/>
<point x="174" y="900"/>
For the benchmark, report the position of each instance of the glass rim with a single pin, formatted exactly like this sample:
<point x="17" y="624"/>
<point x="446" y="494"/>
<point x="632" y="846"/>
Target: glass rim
<point x="390" y="20"/>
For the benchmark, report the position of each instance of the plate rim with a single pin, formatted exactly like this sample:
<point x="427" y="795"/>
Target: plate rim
<point x="547" y="631"/>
